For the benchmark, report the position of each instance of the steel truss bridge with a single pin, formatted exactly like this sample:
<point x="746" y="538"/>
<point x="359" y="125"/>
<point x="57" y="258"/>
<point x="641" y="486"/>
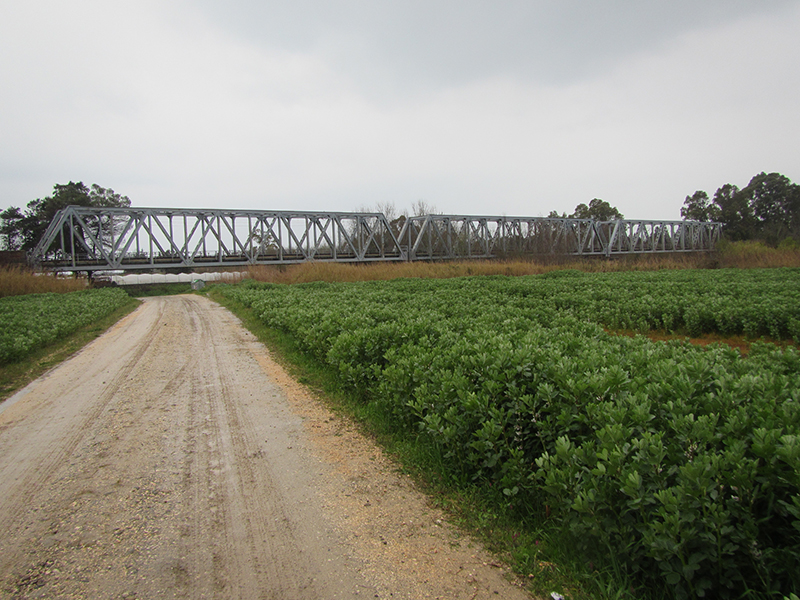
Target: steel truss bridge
<point x="91" y="239"/>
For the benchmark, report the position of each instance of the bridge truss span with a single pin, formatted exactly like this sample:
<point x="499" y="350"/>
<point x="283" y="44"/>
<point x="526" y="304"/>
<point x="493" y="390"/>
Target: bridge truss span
<point x="145" y="238"/>
<point x="454" y="236"/>
<point x="89" y="239"/>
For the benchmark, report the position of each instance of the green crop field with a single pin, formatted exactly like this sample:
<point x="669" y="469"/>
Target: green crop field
<point x="31" y="321"/>
<point x="679" y="465"/>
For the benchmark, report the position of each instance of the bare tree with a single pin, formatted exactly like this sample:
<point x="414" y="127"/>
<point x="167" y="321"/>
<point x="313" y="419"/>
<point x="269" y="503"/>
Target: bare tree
<point x="421" y="208"/>
<point x="388" y="209"/>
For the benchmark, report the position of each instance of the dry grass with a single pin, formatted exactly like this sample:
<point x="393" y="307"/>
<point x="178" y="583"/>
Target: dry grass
<point x="332" y="272"/>
<point x="15" y="281"/>
<point x="742" y="255"/>
<point x="755" y="255"/>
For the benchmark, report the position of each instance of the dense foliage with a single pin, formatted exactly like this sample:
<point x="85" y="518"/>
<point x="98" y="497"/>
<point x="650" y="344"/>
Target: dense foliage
<point x="597" y="209"/>
<point x="768" y="208"/>
<point x="679" y="464"/>
<point x="22" y="231"/>
<point x="31" y="321"/>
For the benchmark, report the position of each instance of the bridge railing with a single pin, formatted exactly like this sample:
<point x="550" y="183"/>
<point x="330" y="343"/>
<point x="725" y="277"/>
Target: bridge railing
<point x="81" y="238"/>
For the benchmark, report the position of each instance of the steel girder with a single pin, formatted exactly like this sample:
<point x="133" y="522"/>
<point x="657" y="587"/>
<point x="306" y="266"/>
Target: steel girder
<point x="88" y="239"/>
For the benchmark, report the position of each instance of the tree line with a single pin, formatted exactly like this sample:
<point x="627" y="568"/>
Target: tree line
<point x="23" y="230"/>
<point x="767" y="209"/>
<point x="597" y="209"/>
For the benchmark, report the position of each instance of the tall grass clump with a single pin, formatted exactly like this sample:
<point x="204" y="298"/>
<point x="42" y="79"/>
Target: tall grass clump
<point x="739" y="255"/>
<point x="511" y="267"/>
<point x="17" y="281"/>
<point x="753" y="254"/>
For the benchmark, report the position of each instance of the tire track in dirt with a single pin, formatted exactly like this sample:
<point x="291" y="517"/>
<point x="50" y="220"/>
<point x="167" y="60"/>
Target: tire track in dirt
<point x="248" y="487"/>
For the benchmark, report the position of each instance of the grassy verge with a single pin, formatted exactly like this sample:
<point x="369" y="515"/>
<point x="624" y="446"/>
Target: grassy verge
<point x="17" y="375"/>
<point x="547" y="563"/>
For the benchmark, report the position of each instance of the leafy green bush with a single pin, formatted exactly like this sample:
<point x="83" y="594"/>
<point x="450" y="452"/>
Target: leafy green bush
<point x="682" y="464"/>
<point x="31" y="321"/>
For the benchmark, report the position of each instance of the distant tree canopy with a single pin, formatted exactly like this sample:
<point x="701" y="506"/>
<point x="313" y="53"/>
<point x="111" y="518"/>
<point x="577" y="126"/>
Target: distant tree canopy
<point x="22" y="231"/>
<point x="599" y="210"/>
<point x="767" y="209"/>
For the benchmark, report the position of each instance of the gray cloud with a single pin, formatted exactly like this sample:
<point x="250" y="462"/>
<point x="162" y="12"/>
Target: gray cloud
<point x="515" y="108"/>
<point x="416" y="44"/>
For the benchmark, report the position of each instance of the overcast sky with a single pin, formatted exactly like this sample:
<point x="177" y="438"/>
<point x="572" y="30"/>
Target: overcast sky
<point x="476" y="107"/>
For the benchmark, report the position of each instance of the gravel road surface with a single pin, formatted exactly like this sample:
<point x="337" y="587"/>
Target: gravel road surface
<point x="172" y="458"/>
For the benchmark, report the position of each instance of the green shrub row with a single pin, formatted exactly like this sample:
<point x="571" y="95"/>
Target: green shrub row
<point x="727" y="301"/>
<point x="681" y="464"/>
<point x="34" y="320"/>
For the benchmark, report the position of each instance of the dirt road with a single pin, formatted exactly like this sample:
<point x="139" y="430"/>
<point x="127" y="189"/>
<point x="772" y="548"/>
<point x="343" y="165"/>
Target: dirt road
<point x="172" y="458"/>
